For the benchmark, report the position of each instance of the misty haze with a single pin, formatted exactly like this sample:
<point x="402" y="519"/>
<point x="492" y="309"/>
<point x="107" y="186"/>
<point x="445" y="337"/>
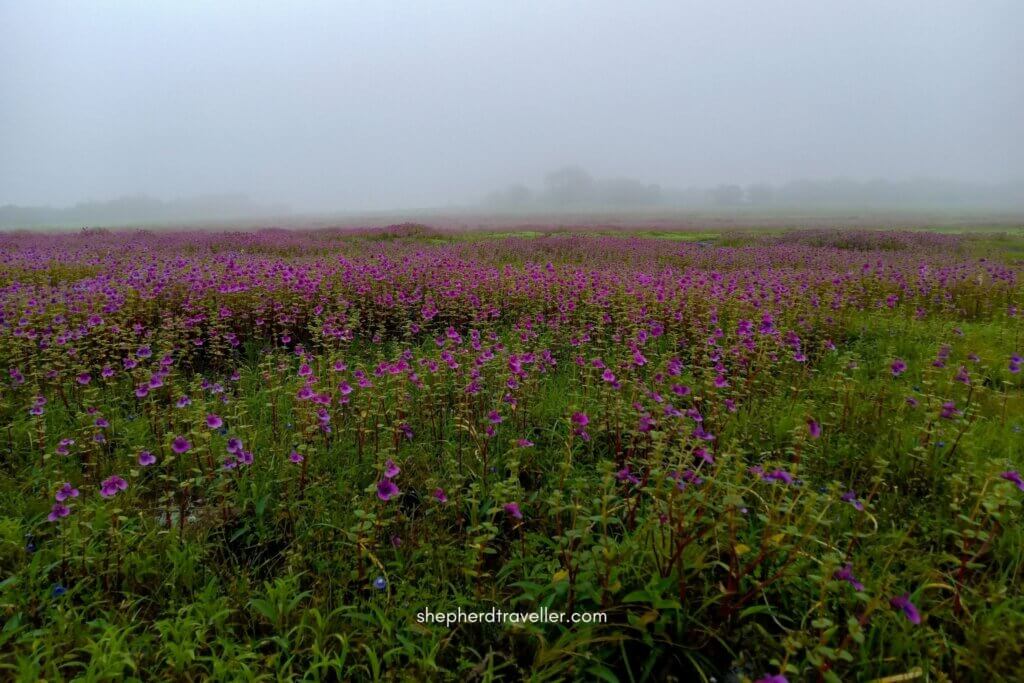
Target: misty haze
<point x="525" y="341"/>
<point x="332" y="108"/>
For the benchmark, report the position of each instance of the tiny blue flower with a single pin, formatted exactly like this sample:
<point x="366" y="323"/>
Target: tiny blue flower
<point x="380" y="583"/>
<point x="58" y="590"/>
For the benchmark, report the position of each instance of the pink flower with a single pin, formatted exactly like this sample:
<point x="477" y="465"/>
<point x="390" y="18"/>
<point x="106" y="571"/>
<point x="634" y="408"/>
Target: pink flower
<point x="1014" y="476"/>
<point x="66" y="491"/>
<point x="902" y="602"/>
<point x="386" y="489"/>
<point x="58" y="511"/>
<point x="440" y="496"/>
<point x="111" y="485"/>
<point x="845" y="573"/>
<point x="512" y="510"/>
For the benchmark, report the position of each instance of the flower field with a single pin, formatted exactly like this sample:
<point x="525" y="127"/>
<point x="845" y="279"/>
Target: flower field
<point x="763" y="456"/>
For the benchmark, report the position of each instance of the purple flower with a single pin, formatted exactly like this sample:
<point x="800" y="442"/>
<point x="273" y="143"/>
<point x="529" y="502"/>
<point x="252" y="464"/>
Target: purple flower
<point x="625" y="475"/>
<point x="296" y="457"/>
<point x="144" y="352"/>
<point x="778" y="475"/>
<point x="214" y="422"/>
<point x="146" y="458"/>
<point x="101" y="422"/>
<point x="66" y="491"/>
<point x="898" y="367"/>
<point x="180" y="445"/>
<point x="524" y="443"/>
<point x="846" y="574"/>
<point x="512" y="510"/>
<point x="84" y="378"/>
<point x="1014" y="476"/>
<point x="440" y="496"/>
<point x="772" y="678"/>
<point x="580" y="422"/>
<point x="494" y="417"/>
<point x="851" y="498"/>
<point x="687" y="477"/>
<point x="703" y="454"/>
<point x="111" y="485"/>
<point x="903" y="602"/>
<point x="949" y="410"/>
<point x="183" y="401"/>
<point x="234" y="445"/>
<point x="58" y="511"/>
<point x="391" y="470"/>
<point x="386" y="489"/>
<point x="813" y="428"/>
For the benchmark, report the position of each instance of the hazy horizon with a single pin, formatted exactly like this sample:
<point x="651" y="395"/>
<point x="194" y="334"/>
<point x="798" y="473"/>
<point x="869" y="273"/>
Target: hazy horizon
<point x="330" y="107"/>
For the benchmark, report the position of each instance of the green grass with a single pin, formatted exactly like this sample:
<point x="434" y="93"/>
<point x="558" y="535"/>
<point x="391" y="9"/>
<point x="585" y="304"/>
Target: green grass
<point x="267" y="572"/>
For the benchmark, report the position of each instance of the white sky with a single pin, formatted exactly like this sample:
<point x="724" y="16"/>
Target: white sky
<point x="354" y="105"/>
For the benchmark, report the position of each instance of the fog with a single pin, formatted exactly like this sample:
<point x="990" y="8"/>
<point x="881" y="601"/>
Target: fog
<point x="336" y="106"/>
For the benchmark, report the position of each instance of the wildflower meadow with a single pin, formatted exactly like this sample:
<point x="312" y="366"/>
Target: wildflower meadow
<point x="761" y="456"/>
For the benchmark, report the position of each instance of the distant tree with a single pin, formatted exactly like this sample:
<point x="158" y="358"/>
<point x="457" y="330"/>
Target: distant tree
<point x="727" y="195"/>
<point x="760" y="194"/>
<point x="568" y="185"/>
<point x="626" y="192"/>
<point x="515" y="196"/>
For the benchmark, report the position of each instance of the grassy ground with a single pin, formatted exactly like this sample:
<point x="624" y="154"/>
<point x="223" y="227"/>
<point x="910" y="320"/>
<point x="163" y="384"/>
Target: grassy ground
<point x="785" y="453"/>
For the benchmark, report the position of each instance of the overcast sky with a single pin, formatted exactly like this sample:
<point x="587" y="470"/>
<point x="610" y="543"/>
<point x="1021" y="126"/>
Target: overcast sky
<point x="365" y="105"/>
